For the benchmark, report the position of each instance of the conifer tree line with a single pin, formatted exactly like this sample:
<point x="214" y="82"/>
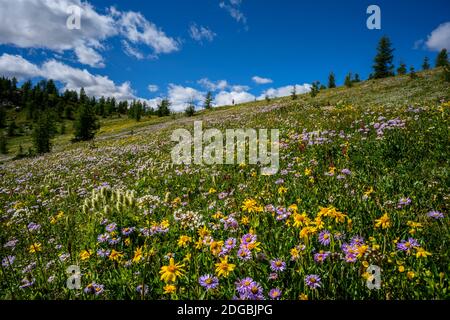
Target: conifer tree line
<point x="383" y="66"/>
<point x="47" y="110"/>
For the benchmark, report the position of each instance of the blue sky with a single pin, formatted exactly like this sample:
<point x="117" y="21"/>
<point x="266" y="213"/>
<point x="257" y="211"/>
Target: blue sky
<point x="172" y="45"/>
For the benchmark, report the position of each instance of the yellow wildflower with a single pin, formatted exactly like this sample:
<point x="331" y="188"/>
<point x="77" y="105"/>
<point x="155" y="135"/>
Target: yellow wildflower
<point x="384" y="222"/>
<point x="35" y="247"/>
<point x="172" y="271"/>
<point x="85" y="254"/>
<point x="183" y="241"/>
<point x="223" y="268"/>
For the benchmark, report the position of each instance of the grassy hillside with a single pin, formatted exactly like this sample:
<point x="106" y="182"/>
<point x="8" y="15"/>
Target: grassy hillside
<point x="363" y="180"/>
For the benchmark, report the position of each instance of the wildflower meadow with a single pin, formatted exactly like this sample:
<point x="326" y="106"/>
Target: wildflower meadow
<point x="363" y="185"/>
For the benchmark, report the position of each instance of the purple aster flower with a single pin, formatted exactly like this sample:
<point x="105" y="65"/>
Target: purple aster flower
<point x="208" y="282"/>
<point x="408" y="245"/>
<point x="435" y="214"/>
<point x="277" y="265"/>
<point x="229" y="223"/>
<point x="321" y="256"/>
<point x="275" y="294"/>
<point x="11" y="244"/>
<point x="142" y="289"/>
<point x="350" y="257"/>
<point x="404" y="202"/>
<point x="244" y="254"/>
<point x="103" y="253"/>
<point x="127" y="231"/>
<point x="313" y="281"/>
<point x="230" y="243"/>
<point x="33" y="226"/>
<point x="357" y="241"/>
<point x="26" y="283"/>
<point x="114" y="241"/>
<point x="255" y="292"/>
<point x="346" y="171"/>
<point x="94" y="288"/>
<point x="29" y="267"/>
<point x="325" y="237"/>
<point x="248" y="238"/>
<point x="243" y="286"/>
<point x="8" y="261"/>
<point x="111" y="227"/>
<point x="63" y="257"/>
<point x="103" y="238"/>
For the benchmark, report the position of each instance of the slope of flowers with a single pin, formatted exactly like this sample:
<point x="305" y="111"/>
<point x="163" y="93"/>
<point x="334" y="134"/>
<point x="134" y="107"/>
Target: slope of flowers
<point x="357" y="187"/>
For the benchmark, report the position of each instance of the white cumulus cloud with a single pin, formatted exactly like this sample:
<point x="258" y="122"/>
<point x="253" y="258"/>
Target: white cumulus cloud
<point x="224" y="98"/>
<point x="285" y="91"/>
<point x="261" y="80"/>
<point x="439" y="38"/>
<point x="43" y="24"/>
<point x="180" y="96"/>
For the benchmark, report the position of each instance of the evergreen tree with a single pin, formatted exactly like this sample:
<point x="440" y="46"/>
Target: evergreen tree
<point x="163" y="108"/>
<point x="348" y="80"/>
<point x="294" y="92"/>
<point x="2" y="117"/>
<point x="43" y="131"/>
<point x="3" y="144"/>
<point x="426" y="64"/>
<point x="383" y="66"/>
<point x="136" y="110"/>
<point x="331" y="81"/>
<point x="442" y="58"/>
<point x="412" y="73"/>
<point x="315" y="88"/>
<point x="12" y="129"/>
<point x="85" y="124"/>
<point x="446" y="74"/>
<point x="401" y="70"/>
<point x="208" y="100"/>
<point x="83" y="97"/>
<point x="190" y="110"/>
<point x="356" y="78"/>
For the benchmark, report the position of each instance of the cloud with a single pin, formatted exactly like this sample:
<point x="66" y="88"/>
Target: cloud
<point x="240" y="88"/>
<point x="233" y="8"/>
<point x="89" y="56"/>
<point x="439" y="38"/>
<point x="72" y="78"/>
<point x="16" y="66"/>
<point x="180" y="96"/>
<point x="228" y="97"/>
<point x="213" y="86"/>
<point x="152" y="88"/>
<point x="285" y="91"/>
<point x="260" y="80"/>
<point x="138" y="30"/>
<point x="199" y="33"/>
<point x="131" y="51"/>
<point x="42" y="24"/>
